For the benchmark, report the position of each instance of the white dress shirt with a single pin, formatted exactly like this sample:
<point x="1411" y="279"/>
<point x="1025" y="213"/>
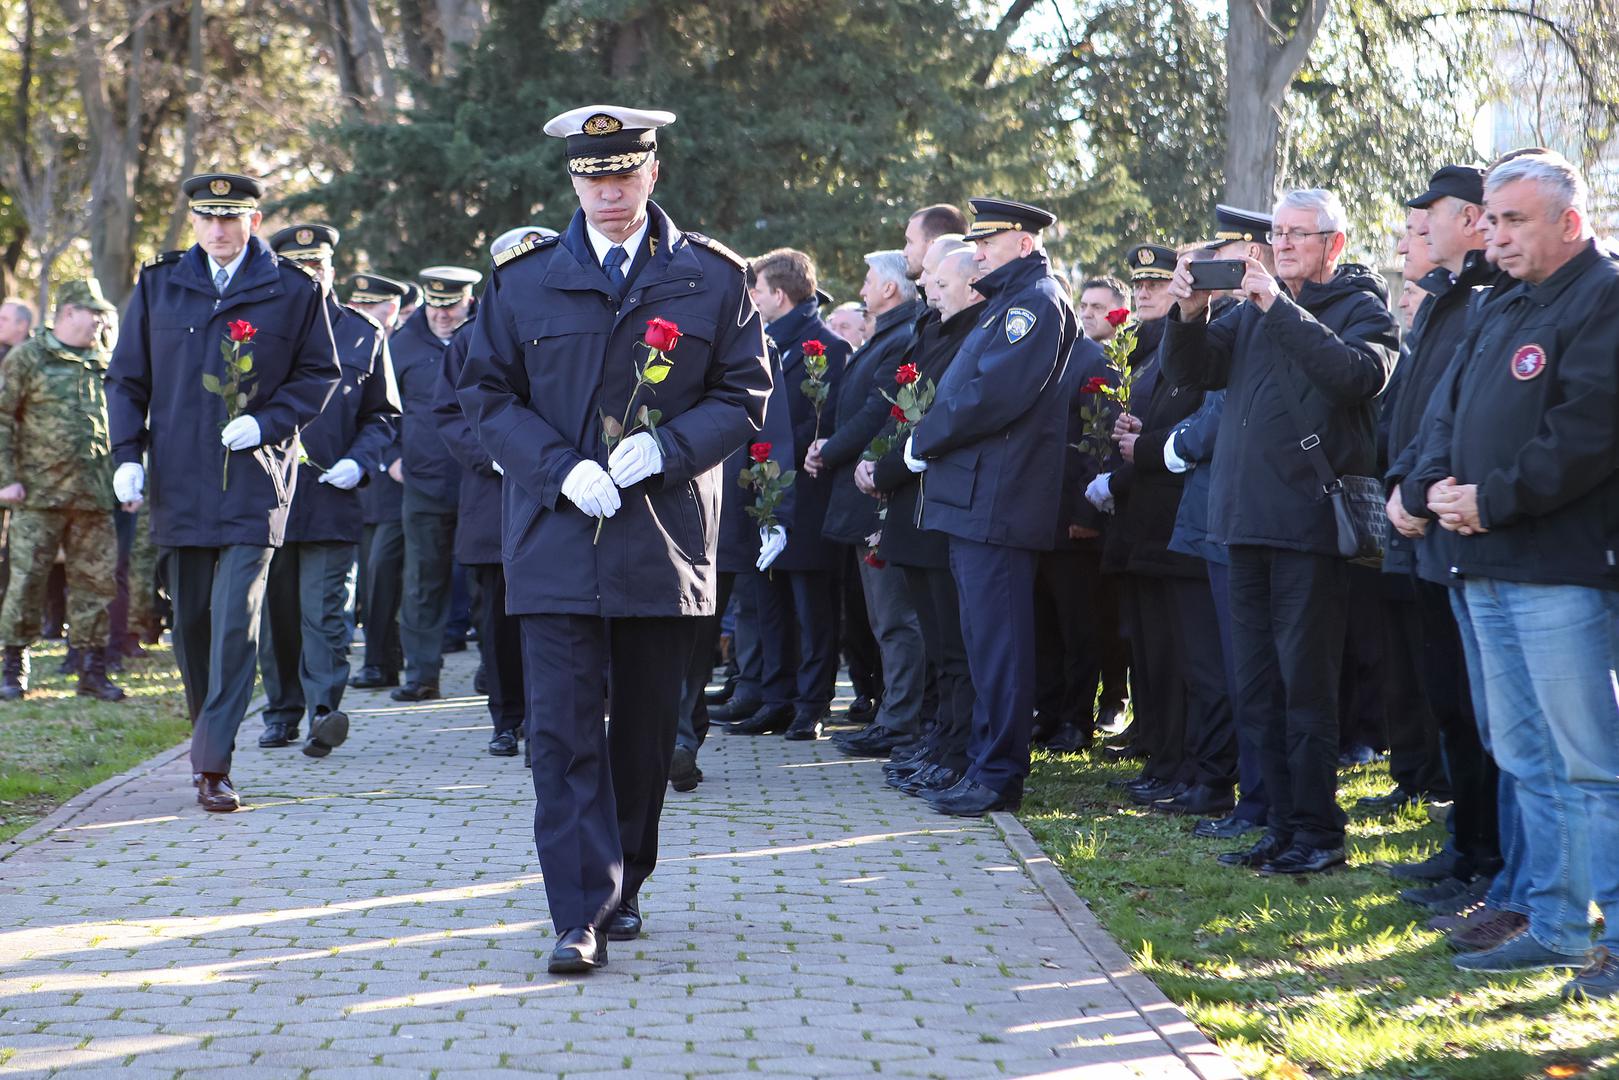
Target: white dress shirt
<point x="230" y="268"/>
<point x="601" y="245"/>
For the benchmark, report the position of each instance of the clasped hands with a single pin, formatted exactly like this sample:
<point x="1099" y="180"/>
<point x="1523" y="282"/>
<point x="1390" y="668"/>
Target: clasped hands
<point x="1456" y="506"/>
<point x="594" y="489"/>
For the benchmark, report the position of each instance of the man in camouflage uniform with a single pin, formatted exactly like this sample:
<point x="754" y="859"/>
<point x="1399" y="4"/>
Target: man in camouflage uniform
<point x="56" y="474"/>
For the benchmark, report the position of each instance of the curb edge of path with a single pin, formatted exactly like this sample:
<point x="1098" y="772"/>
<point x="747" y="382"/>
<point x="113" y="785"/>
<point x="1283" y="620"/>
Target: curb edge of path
<point x="1166" y="1018"/>
<point x="87" y="798"/>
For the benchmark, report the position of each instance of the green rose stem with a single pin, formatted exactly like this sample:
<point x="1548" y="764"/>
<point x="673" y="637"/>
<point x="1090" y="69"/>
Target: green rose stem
<point x="233" y="388"/>
<point x="654" y="371"/>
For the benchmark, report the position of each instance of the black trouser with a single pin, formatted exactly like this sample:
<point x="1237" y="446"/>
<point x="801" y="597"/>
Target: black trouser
<point x="383" y="583"/>
<point x="1474" y="776"/>
<point x="1288" y="612"/>
<point x="500" y="644"/>
<point x="1114" y="648"/>
<point x="1211" y="733"/>
<point x="1416" y="759"/>
<point x="1360" y="683"/>
<point x="1068" y="655"/>
<point x="218" y="594"/>
<point x="429" y="563"/>
<point x="598" y="787"/>
<point x="855" y="639"/>
<point x="938" y="611"/>
<point x="1159" y="691"/>
<point x="304" y="640"/>
<point x="798" y="637"/>
<point x="693" y="728"/>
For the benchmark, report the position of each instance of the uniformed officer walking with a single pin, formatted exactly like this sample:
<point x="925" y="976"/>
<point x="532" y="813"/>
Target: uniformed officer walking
<point x="992" y="448"/>
<point x="56" y="474"/>
<point x="556" y="348"/>
<point x="309" y="596"/>
<point x="222" y="473"/>
<point x="431" y="475"/>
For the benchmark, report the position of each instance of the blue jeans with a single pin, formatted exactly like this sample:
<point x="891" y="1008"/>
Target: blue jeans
<point x="1547" y="654"/>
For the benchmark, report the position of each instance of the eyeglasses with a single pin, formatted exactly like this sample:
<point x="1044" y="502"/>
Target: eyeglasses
<point x="1295" y="235"/>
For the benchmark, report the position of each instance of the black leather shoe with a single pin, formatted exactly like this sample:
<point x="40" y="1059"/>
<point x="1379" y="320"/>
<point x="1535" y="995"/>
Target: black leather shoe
<point x="937" y="778"/>
<point x="872" y="741"/>
<point x="578" y="952"/>
<point x="915" y="782"/>
<point x="278" y="733"/>
<point x="624" y="925"/>
<point x="504" y="744"/>
<point x="1302" y="859"/>
<point x="1264" y="850"/>
<point x="416" y="691"/>
<point x="1156" y="793"/>
<point x="327" y="731"/>
<point x="1070" y="739"/>
<point x="806" y="727"/>
<point x="734" y="710"/>
<point x="215" y="794"/>
<point x="860" y="711"/>
<point x="1199" y="800"/>
<point x="374" y="678"/>
<point x="683" y="772"/>
<point x="972" y="799"/>
<point x="1226" y="828"/>
<point x="770" y="720"/>
<point x="1386" y="803"/>
<point x="723" y="694"/>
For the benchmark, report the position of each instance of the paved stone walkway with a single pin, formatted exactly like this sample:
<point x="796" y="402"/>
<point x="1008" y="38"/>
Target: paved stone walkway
<point x="380" y="914"/>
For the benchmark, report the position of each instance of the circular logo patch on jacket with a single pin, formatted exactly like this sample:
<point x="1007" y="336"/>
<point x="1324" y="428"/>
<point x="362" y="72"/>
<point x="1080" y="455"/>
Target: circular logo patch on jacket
<point x="1527" y="362"/>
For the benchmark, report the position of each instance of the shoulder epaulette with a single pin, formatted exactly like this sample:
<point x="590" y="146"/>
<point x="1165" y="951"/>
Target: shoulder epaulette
<point x="524" y="248"/>
<point x="165" y="257"/>
<point x="718" y="248"/>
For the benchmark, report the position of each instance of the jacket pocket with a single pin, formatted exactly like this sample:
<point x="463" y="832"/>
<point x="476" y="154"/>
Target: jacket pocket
<point x="950" y="480"/>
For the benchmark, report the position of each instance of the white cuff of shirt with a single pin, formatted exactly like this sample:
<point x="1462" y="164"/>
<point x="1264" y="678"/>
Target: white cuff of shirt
<point x="1172" y="460"/>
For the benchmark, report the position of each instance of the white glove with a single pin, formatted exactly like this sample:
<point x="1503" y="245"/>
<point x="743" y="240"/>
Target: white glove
<point x="588" y="487"/>
<point x="241" y="433"/>
<point x="1173" y="461"/>
<point x="916" y="465"/>
<point x="1099" y="495"/>
<point x="493" y="464"/>
<point x="343" y="475"/>
<point x="129" y="482"/>
<point x="635" y="459"/>
<point x="772" y="542"/>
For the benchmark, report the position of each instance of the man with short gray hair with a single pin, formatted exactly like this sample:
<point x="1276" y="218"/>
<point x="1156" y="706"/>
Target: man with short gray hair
<point x="1315" y="341"/>
<point x="1519" y="466"/>
<point x="16" y="320"/>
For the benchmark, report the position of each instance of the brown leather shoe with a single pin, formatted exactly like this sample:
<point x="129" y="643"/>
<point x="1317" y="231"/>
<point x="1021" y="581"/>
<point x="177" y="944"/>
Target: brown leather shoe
<point x="1488" y="934"/>
<point x="216" y="794"/>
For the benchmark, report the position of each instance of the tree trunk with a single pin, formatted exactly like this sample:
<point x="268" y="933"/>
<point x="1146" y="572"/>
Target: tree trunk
<point x="460" y="21"/>
<point x="191" y="132"/>
<point x="424" y="42"/>
<point x="1261" y="62"/>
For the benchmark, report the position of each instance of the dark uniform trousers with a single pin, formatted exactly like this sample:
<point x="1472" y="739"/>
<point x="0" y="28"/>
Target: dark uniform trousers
<point x="693" y="730"/>
<point x="1159" y="694"/>
<point x="996" y="586"/>
<point x="1288" y="611"/>
<point x="1211" y="733"/>
<point x="798" y="637"/>
<point x="500" y="646"/>
<point x="854" y="637"/>
<point x="1253" y="804"/>
<point x="599" y="788"/>
<point x="429" y="528"/>
<point x="382" y="582"/>
<point x="1416" y="759"/>
<point x="938" y="613"/>
<point x="1068" y="656"/>
<point x="304" y="640"/>
<point x="218" y="594"/>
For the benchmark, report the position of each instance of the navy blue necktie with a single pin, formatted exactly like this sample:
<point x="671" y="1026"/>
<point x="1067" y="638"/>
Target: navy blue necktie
<point x="614" y="265"/>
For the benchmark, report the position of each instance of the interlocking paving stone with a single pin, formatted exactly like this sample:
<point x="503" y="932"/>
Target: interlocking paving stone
<point x="380" y="913"/>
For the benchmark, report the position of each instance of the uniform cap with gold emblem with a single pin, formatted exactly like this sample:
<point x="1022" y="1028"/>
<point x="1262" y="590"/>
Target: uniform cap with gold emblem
<point x="374" y="289"/>
<point x="1151" y="262"/>
<point x="606" y="140"/>
<point x="305" y="242"/>
<point x="991" y="216"/>
<point x="446" y="286"/>
<point x="523" y="234"/>
<point x="223" y="194"/>
<point x="1232" y="224"/>
<point x="85" y="293"/>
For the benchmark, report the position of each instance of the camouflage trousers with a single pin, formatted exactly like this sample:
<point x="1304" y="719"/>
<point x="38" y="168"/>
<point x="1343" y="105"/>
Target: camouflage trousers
<point x="142" y="576"/>
<point x="91" y="546"/>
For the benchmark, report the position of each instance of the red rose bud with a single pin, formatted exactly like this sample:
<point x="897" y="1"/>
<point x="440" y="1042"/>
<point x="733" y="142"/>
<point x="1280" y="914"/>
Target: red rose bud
<point x="242" y="330"/>
<point x="661" y="334"/>
<point x="907" y="374"/>
<point x="813" y="347"/>
<point x="1094" y="385"/>
<point x="897" y="413"/>
<point x="760" y="452"/>
<point x="1117" y="316"/>
<point x="873" y="561"/>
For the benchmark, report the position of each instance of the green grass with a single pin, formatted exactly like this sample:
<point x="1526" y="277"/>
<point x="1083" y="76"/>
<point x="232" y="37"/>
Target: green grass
<point x="1328" y="976"/>
<point x="54" y="744"/>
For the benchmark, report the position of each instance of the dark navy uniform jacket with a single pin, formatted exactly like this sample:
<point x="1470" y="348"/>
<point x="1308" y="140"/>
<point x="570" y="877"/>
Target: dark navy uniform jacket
<point x="805" y="548"/>
<point x="171" y="335"/>
<point x="739" y="533"/>
<point x="995" y="437"/>
<point x="357" y="423"/>
<point x="477" y="521"/>
<point x="553" y="350"/>
<point x="418" y="357"/>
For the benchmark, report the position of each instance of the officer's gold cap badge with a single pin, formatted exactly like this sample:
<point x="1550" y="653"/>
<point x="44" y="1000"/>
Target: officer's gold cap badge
<point x="305" y="237"/>
<point x="220" y="187"/>
<point x="362" y="283"/>
<point x="1146" y="257"/>
<point x="602" y="124"/>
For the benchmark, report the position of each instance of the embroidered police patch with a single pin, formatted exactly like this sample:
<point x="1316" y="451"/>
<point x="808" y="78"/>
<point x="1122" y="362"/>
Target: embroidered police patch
<point x="1019" y="321"/>
<point x="1528" y="362"/>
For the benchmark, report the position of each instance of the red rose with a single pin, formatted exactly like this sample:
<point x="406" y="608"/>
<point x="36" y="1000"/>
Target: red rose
<point x="873" y="561"/>
<point x="1117" y="316"/>
<point x="760" y="452"/>
<point x="661" y="334"/>
<point x="897" y="413"/>
<point x="242" y="330"/>
<point x="1093" y="385"/>
<point x="907" y="374"/>
<point x="813" y="347"/>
